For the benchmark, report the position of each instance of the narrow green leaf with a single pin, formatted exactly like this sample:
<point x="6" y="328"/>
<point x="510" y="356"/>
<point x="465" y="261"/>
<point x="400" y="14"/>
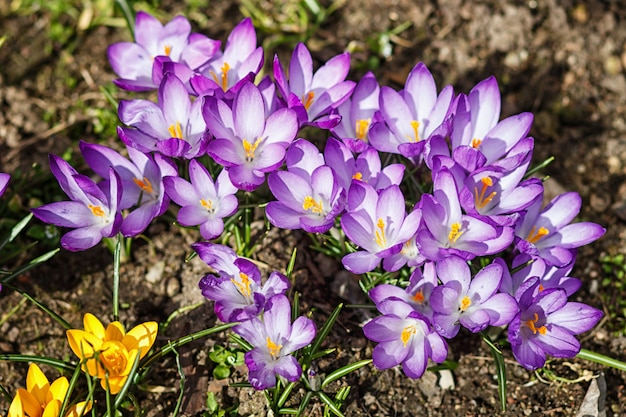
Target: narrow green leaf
<point x="39" y="260"/>
<point x="601" y="359"/>
<point x="321" y="335"/>
<point x="500" y="370"/>
<point x="329" y="403"/>
<point x="18" y="357"/>
<point x="292" y="263"/>
<point x="345" y="370"/>
<point x="43" y="307"/>
<point x="304" y="403"/>
<point x="285" y="394"/>
<point x="16" y="230"/>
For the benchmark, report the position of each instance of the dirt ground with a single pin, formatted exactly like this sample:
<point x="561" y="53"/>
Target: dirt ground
<point x="565" y="61"/>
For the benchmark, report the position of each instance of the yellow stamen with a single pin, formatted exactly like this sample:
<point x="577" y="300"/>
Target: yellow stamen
<point x="310" y="204"/>
<point x="531" y="325"/>
<point x="476" y="142"/>
<point x="357" y="176"/>
<point x="361" y="128"/>
<point x="175" y="130"/>
<point x="244" y="285"/>
<point x="406" y="334"/>
<point x="380" y="239"/>
<point x="97" y="210"/>
<point x="465" y="303"/>
<point x="168" y="49"/>
<point x="207" y="204"/>
<point x="144" y="184"/>
<point x="223" y="79"/>
<point x="250" y="148"/>
<point x="481" y="201"/>
<point x="307" y="99"/>
<point x="418" y="297"/>
<point x="416" y="136"/>
<point x="455" y="232"/>
<point x="273" y="347"/>
<point x="535" y="235"/>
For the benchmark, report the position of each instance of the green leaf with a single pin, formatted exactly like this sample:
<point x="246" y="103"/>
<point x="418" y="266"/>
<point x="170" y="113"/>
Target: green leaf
<point x="221" y="371"/>
<point x="500" y="370"/>
<point x="345" y="370"/>
<point x="321" y="335"/>
<point x="329" y="403"/>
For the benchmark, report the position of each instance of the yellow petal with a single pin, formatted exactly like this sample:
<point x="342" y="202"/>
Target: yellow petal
<point x="37" y="383"/>
<point x="93" y="326"/>
<point x="141" y="337"/>
<point x="16" y="409"/>
<point x="53" y="409"/>
<point x="80" y="409"/>
<point x="114" y="331"/>
<point x="58" y="390"/>
<point x="114" y="357"/>
<point x="83" y="343"/>
<point x="115" y="383"/>
<point x="30" y="406"/>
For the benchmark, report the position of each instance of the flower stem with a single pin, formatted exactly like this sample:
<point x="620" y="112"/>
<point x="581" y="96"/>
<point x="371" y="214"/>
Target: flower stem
<point x="601" y="359"/>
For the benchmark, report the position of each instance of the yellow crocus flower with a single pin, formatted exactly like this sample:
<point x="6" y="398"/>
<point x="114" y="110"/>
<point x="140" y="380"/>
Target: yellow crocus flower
<point x="109" y="353"/>
<point x="43" y="399"/>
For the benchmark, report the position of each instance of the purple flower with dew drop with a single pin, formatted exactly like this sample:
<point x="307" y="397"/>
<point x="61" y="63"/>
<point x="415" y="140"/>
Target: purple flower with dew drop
<point x="141" y="179"/>
<point x="448" y="231"/>
<point x="405" y="337"/>
<point x="313" y="95"/>
<point x="476" y="123"/>
<point x="377" y="222"/>
<point x="546" y="325"/>
<point x="248" y="140"/>
<point x="174" y="127"/>
<point x="239" y="63"/>
<point x="203" y="201"/>
<point x="135" y="63"/>
<point x="92" y="212"/>
<point x="365" y="167"/>
<point x="308" y="195"/>
<point x="471" y="302"/>
<point x="411" y="117"/>
<point x="416" y="294"/>
<point x="357" y="114"/>
<point x="237" y="291"/>
<point x="274" y="338"/>
<point x="549" y="233"/>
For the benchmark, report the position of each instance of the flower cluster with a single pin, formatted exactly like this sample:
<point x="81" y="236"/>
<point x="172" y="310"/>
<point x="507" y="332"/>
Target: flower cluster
<point x="470" y="203"/>
<point x="263" y="310"/>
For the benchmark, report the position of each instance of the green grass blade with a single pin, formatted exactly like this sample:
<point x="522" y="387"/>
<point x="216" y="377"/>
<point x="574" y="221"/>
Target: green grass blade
<point x="18" y="357"/>
<point x="345" y="370"/>
<point x="321" y="335"/>
<point x="500" y="370"/>
<point x="329" y="403"/>
<point x="601" y="359"/>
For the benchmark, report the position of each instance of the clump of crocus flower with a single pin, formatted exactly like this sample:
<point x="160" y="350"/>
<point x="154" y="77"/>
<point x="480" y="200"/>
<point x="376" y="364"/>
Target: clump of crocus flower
<point x="466" y="197"/>
<point x="110" y="353"/>
<point x="42" y="398"/>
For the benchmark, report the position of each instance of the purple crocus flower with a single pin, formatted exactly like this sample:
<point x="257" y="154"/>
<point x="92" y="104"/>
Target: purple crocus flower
<point x="525" y="267"/>
<point x="203" y="202"/>
<point x="237" y="291"/>
<point x="548" y="233"/>
<point x="174" y="127"/>
<point x="274" y="338"/>
<point x="142" y="182"/>
<point x="365" y="167"/>
<point x="416" y="294"/>
<point x="249" y="141"/>
<point x="240" y="62"/>
<point x="411" y="117"/>
<point x="377" y="222"/>
<point x="473" y="303"/>
<point x="448" y="231"/>
<point x="134" y="62"/>
<point x="314" y="95"/>
<point x="546" y="325"/>
<point x="4" y="182"/>
<point x="308" y="197"/>
<point x="404" y="337"/>
<point x="357" y="113"/>
<point x="476" y="123"/>
<point x="92" y="212"/>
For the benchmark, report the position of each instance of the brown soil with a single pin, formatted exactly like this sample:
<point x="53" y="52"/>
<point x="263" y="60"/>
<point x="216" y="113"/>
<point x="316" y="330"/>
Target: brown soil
<point x="564" y="61"/>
